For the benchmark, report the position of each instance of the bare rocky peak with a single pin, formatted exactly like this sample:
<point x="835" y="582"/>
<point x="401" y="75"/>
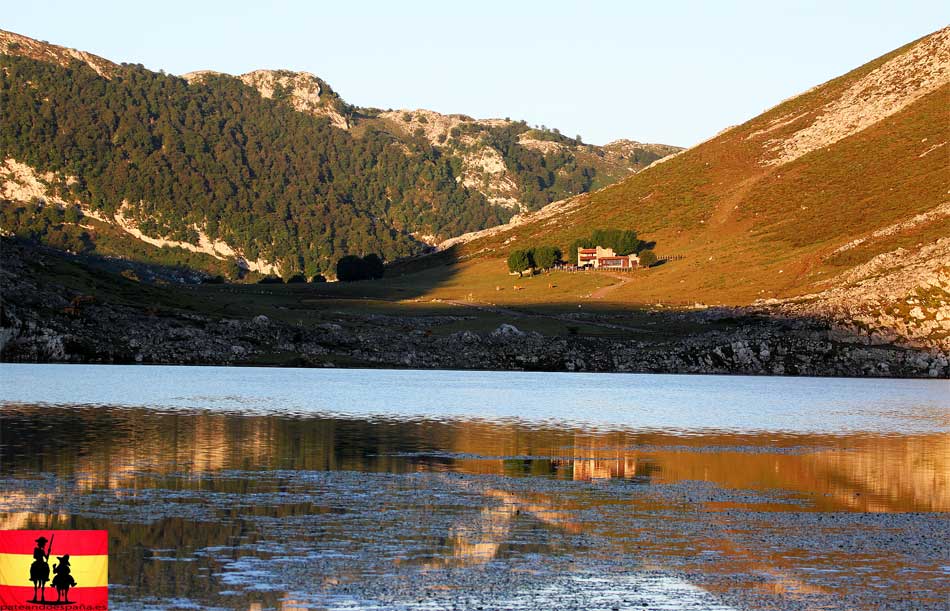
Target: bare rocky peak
<point x="543" y="146"/>
<point x="436" y="127"/>
<point x="304" y="91"/>
<point x="626" y="147"/>
<point x="198" y="76"/>
<point x="12" y="43"/>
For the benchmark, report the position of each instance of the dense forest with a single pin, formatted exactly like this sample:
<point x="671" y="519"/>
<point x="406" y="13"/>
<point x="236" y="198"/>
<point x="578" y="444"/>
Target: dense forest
<point x="277" y="184"/>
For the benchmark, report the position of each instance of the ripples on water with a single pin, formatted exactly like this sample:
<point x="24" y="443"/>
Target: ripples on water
<point x="334" y="488"/>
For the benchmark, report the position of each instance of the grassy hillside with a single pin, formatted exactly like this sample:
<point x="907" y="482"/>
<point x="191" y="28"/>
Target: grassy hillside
<point x="748" y="227"/>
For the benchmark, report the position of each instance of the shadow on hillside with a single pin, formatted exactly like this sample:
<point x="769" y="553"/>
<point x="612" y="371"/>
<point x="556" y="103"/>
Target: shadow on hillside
<point x="601" y="336"/>
<point x="409" y="278"/>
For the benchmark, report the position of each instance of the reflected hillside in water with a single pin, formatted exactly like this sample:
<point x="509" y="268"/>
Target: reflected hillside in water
<point x="131" y="448"/>
<point x="264" y="509"/>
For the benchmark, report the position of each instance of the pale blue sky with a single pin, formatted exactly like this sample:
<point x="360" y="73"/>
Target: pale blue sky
<point x="661" y="71"/>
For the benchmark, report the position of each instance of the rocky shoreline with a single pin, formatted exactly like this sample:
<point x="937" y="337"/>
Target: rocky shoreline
<point x="42" y="322"/>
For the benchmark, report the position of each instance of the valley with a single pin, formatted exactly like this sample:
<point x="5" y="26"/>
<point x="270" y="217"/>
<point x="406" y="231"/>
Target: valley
<point x="811" y="239"/>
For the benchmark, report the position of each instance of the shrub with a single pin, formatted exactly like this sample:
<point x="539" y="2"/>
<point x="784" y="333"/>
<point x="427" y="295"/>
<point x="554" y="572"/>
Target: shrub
<point x="647" y="258"/>
<point x="296" y="279"/>
<point x="271" y="280"/>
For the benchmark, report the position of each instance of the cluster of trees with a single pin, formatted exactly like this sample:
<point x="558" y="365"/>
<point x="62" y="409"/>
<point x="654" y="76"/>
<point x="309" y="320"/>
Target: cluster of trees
<point x="46" y="223"/>
<point x="352" y="267"/>
<point x="622" y="241"/>
<point x="62" y="227"/>
<point x="539" y="257"/>
<point x="272" y="182"/>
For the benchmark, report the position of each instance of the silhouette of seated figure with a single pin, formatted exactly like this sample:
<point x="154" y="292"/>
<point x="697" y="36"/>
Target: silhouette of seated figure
<point x="63" y="579"/>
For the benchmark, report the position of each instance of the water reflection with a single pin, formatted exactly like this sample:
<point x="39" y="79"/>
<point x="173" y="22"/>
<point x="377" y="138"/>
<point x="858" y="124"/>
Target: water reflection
<point x="128" y="448"/>
<point x="210" y="508"/>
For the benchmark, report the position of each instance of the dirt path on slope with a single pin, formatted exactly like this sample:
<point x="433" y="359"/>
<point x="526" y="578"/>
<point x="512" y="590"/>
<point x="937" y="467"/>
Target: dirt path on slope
<point x="604" y="291"/>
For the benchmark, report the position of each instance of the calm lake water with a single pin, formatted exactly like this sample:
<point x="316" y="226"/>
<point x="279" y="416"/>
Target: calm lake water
<point x="248" y="488"/>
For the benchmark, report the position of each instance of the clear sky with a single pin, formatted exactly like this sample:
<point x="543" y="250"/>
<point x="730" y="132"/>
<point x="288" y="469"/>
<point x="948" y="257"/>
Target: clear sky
<point x="665" y="71"/>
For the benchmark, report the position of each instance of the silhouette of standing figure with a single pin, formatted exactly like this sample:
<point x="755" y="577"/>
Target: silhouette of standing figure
<point x="39" y="570"/>
<point x="63" y="579"/>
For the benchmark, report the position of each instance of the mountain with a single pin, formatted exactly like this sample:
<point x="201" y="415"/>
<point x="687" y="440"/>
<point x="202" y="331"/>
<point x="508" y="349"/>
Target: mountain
<point x="810" y="240"/>
<point x="833" y="204"/>
<point x="512" y="164"/>
<point x="268" y="172"/>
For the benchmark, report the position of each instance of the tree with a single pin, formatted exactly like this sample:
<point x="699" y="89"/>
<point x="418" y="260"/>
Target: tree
<point x="373" y="266"/>
<point x="519" y="261"/>
<point x="580" y="243"/>
<point x="623" y="242"/>
<point x="350" y="268"/>
<point x="72" y="214"/>
<point x="546" y="257"/>
<point x="647" y="258"/>
<point x="209" y="155"/>
<point x="296" y="279"/>
<point x="627" y="243"/>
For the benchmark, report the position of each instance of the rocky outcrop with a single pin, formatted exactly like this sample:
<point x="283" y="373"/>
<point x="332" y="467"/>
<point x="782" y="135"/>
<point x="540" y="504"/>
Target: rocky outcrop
<point x="898" y="297"/>
<point x="483" y="168"/>
<point x="884" y="91"/>
<point x="12" y="43"/>
<point x="305" y="92"/>
<point x="940" y="211"/>
<point x="20" y="182"/>
<point x="625" y="149"/>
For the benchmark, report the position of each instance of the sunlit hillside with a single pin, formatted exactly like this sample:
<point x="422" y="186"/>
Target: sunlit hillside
<point x="844" y="187"/>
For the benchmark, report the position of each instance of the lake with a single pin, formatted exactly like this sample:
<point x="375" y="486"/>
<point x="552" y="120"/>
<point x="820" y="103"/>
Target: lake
<point x="290" y="489"/>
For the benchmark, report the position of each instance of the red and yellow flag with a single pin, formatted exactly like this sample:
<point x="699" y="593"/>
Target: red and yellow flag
<point x="51" y="566"/>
